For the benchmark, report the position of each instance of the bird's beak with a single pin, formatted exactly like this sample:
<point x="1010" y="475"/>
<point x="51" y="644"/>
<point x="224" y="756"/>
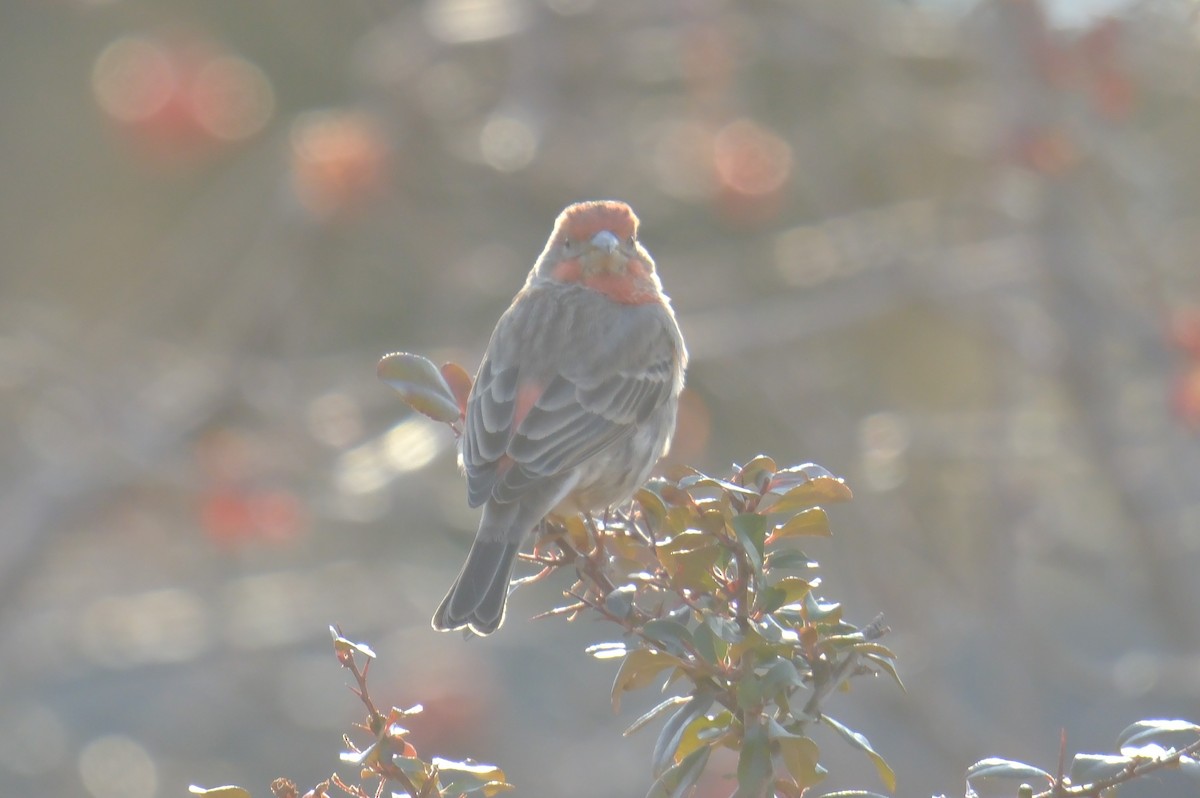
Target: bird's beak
<point x="606" y="242"/>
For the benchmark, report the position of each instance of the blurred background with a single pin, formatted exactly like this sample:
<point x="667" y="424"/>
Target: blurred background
<point x="945" y="249"/>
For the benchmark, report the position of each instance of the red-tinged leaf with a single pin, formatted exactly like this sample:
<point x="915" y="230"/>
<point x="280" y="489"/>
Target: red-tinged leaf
<point x="757" y="473"/>
<point x="813" y="522"/>
<point x="639" y="669"/>
<point x="420" y="384"/>
<point x="460" y="383"/>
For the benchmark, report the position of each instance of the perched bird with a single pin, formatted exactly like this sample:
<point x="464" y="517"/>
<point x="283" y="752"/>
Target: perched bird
<point x="574" y="402"/>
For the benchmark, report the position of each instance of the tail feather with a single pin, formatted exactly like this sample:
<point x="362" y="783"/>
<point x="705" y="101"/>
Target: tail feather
<point x="478" y="596"/>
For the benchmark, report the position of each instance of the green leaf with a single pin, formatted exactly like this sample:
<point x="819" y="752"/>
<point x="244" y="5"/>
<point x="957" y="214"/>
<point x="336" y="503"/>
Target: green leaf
<point x="228" y="791"/>
<point x="751" y="531"/>
<point x="620" y="601"/>
<point x="679" y="779"/>
<point x="754" y="762"/>
<point x="639" y="669"/>
<point x="672" y="731"/>
<point x="674" y="636"/>
<point x="813" y="522"/>
<point x="853" y="794"/>
<point x="420" y="384"/>
<point x="724" y="628"/>
<point x="997" y="768"/>
<point x="780" y="676"/>
<point x="801" y="758"/>
<point x="857" y="740"/>
<point x="641" y="722"/>
<point x="1176" y="733"/>
<point x="710" y="647"/>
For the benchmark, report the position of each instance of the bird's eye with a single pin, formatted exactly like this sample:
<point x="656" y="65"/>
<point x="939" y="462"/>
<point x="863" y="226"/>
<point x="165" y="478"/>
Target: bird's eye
<point x="566" y="242"/>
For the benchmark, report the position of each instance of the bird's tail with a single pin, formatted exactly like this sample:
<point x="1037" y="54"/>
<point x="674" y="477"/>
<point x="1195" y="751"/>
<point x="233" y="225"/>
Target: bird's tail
<point x="476" y="599"/>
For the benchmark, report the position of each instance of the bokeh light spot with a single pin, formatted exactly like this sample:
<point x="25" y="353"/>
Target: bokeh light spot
<point x="116" y="766"/>
<point x="232" y="98"/>
<point x="133" y="78"/>
<point x="462" y="21"/>
<point x="507" y="143"/>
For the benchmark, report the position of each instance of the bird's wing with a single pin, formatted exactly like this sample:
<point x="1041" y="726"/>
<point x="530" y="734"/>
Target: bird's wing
<point x="527" y="421"/>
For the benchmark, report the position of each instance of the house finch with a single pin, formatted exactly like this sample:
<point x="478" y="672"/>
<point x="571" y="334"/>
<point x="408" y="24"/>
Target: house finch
<point x="573" y="403"/>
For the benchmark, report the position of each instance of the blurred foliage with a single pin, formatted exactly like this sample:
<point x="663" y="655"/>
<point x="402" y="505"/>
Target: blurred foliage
<point x="946" y="248"/>
<point x="390" y="758"/>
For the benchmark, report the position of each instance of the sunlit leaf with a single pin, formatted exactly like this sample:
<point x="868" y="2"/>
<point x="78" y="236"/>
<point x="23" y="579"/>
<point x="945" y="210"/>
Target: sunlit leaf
<point x="754" y="763"/>
<point x="794" y="588"/>
<point x="786" y="478"/>
<point x="679" y="779"/>
<point x="853" y="794"/>
<point x="804" y="486"/>
<point x="606" y="650"/>
<point x="672" y="731"/>
<point x="813" y="522"/>
<point x="343" y="646"/>
<point x="639" y="669"/>
<point x="654" y="512"/>
<point x="420" y="384"/>
<point x="819" y="611"/>
<point x="1178" y="733"/>
<point x="228" y="791"/>
<point x="857" y="740"/>
<point x="705" y="481"/>
<point x="758" y="472"/>
<point x="1090" y="768"/>
<point x="701" y="732"/>
<point x="997" y="768"/>
<point x="641" y="722"/>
